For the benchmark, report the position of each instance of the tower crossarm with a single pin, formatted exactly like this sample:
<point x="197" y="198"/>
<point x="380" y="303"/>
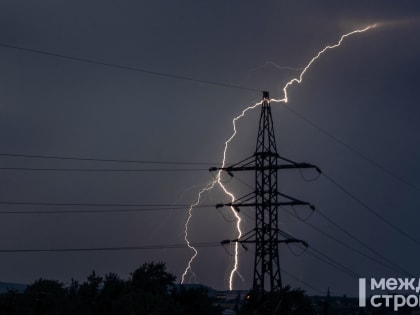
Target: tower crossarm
<point x="249" y="238"/>
<point x="249" y="201"/>
<point x="250" y="166"/>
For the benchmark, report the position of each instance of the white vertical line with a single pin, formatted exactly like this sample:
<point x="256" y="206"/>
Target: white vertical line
<point x="362" y="292"/>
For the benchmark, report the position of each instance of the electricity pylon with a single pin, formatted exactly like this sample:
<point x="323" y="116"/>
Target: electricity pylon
<point x="266" y="199"/>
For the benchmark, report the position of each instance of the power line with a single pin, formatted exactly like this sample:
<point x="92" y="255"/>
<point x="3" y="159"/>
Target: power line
<point x="101" y="249"/>
<point x="92" y="170"/>
<point x="75" y="158"/>
<point x="128" y="68"/>
<point x="391" y="265"/>
<point x="375" y="213"/>
<point x="303" y="282"/>
<point x="328" y="260"/>
<point x="332" y="262"/>
<point x="375" y="252"/>
<point x="78" y="204"/>
<point x="295" y="277"/>
<point x="96" y="210"/>
<point x="352" y="149"/>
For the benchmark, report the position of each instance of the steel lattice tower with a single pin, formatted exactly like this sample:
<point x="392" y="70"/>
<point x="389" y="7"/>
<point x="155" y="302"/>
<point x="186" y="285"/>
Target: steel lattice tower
<point x="266" y="199"/>
<point x="266" y="264"/>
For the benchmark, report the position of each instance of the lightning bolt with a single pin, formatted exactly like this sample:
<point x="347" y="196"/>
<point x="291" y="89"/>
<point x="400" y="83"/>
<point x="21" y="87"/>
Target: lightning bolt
<point x="188" y="269"/>
<point x="320" y="53"/>
<point x="217" y="180"/>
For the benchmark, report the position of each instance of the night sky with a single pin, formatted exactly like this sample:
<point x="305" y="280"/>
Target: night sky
<point x="356" y="116"/>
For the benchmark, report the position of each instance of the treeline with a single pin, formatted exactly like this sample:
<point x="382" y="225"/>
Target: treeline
<point x="150" y="290"/>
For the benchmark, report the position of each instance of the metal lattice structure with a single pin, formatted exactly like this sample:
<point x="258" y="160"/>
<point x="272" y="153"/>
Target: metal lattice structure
<point x="266" y="262"/>
<point x="266" y="199"/>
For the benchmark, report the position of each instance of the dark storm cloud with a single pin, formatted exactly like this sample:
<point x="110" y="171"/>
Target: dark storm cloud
<point x="364" y="93"/>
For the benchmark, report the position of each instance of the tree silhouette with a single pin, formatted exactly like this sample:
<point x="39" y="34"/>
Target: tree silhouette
<point x="114" y="296"/>
<point x="150" y="290"/>
<point x="45" y="296"/>
<point x="152" y="278"/>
